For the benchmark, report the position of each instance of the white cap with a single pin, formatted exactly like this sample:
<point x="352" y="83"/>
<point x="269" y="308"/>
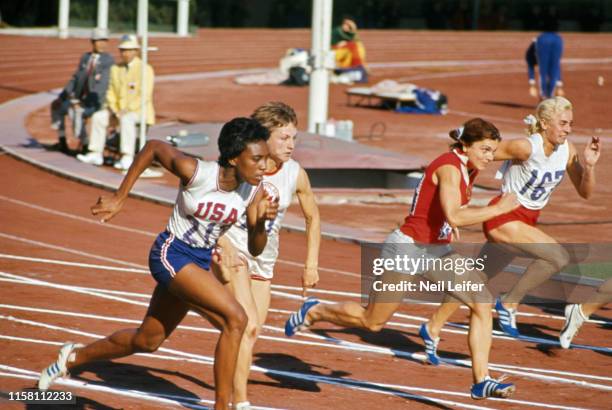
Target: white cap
<point x="129" y="42"/>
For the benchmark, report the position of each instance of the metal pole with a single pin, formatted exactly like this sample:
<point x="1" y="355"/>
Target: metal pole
<point x="322" y="62"/>
<point x="143" y="18"/>
<point x="182" y="18"/>
<point x="103" y="14"/>
<point x="64" y="16"/>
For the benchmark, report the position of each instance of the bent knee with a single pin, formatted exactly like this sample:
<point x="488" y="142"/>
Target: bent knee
<point x="147" y="344"/>
<point x="251" y="332"/>
<point x="562" y="260"/>
<point x="237" y="319"/>
<point x="558" y="260"/>
<point x="483" y="310"/>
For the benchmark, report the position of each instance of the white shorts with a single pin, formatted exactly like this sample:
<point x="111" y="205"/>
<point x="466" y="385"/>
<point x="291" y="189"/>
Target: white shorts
<point x="260" y="267"/>
<point x="399" y="244"/>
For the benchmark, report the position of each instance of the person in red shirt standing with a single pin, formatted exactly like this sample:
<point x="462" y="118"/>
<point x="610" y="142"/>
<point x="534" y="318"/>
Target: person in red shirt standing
<point x="438" y="207"/>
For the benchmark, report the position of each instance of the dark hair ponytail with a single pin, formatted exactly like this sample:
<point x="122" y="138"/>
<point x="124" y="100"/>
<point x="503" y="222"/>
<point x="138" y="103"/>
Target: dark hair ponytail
<point x="473" y="131"/>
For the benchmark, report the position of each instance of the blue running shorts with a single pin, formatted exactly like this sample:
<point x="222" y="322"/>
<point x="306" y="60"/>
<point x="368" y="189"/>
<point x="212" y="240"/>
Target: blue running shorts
<point x="169" y="255"/>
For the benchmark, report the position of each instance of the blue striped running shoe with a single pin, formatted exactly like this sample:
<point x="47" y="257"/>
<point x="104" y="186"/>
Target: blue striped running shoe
<point x="58" y="368"/>
<point x="431" y="345"/>
<point x="507" y="319"/>
<point x="297" y="320"/>
<point x="492" y="388"/>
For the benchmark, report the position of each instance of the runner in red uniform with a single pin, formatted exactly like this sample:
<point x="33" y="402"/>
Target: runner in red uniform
<point x="439" y="206"/>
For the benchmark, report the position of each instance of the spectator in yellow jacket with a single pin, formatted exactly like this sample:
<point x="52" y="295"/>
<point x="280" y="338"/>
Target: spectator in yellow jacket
<point x="122" y="102"/>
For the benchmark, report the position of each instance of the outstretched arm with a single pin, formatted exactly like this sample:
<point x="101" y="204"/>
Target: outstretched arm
<point x="582" y="175"/>
<point x="519" y="149"/>
<point x="448" y="181"/>
<point x="313" y="230"/>
<point x="169" y="157"/>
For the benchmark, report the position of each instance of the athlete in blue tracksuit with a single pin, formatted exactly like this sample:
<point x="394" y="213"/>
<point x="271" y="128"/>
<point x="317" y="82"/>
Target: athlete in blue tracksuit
<point x="546" y="51"/>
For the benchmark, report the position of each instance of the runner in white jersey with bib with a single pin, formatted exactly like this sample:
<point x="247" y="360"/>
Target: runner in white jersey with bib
<point x="251" y="281"/>
<point x="210" y="199"/>
<point x="534" y="167"/>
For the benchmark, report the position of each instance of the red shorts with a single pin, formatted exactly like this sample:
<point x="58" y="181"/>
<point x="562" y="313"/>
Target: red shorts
<point x="528" y="216"/>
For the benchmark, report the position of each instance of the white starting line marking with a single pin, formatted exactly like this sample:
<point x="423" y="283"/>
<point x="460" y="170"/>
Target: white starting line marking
<point x="68" y="250"/>
<point x="137" y="231"/>
<point x="265" y="337"/>
<point x="341" y="344"/>
<point x="276" y="286"/>
<point x="184" y="401"/>
<point x="380" y="388"/>
<point x="89" y="220"/>
<point x="107" y="294"/>
<point x="373" y="387"/>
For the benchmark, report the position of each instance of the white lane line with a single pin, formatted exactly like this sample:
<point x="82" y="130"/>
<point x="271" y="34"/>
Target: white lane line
<point x="357" y="346"/>
<point x="143" y="270"/>
<point x="207" y="360"/>
<point x="186" y="327"/>
<point x="68" y="250"/>
<point x="183" y="401"/>
<point x="105" y="294"/>
<point x="141" y="232"/>
<point x="64" y="287"/>
<point x="18" y="373"/>
<point x="350" y="383"/>
<point x="76" y="289"/>
<point x="74" y="264"/>
<point x="75" y="217"/>
<point x="264" y="337"/>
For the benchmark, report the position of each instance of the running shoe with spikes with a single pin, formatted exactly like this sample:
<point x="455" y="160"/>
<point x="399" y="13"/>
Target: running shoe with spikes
<point x="507" y="319"/>
<point x="574" y="318"/>
<point x="297" y="320"/>
<point x="58" y="368"/>
<point x="431" y="345"/>
<point x="492" y="388"/>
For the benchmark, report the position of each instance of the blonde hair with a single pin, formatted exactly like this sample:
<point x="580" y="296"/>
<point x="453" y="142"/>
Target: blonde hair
<point x="545" y="111"/>
<point x="274" y="114"/>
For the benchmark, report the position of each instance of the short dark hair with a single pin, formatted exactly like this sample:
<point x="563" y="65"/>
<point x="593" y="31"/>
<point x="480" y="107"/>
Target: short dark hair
<point x="235" y="135"/>
<point x="472" y="131"/>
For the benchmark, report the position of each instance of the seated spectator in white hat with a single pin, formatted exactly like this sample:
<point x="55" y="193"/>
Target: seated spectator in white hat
<point x="123" y="103"/>
<point x="85" y="93"/>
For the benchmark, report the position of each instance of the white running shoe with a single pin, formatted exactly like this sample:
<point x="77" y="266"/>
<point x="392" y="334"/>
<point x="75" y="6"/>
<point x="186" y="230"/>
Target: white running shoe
<point x="574" y="318"/>
<point x="150" y="173"/>
<point x="58" y="368"/>
<point x="124" y="163"/>
<point x="93" y="158"/>
<point x="243" y="405"/>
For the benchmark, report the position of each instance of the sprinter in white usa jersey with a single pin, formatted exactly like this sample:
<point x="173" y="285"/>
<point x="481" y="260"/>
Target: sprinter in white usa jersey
<point x="534" y="167"/>
<point x="211" y="198"/>
<point x="251" y="282"/>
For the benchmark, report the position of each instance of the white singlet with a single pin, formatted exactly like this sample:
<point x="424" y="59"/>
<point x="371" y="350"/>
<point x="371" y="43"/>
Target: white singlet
<point x="203" y="211"/>
<point x="281" y="184"/>
<point x="536" y="178"/>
